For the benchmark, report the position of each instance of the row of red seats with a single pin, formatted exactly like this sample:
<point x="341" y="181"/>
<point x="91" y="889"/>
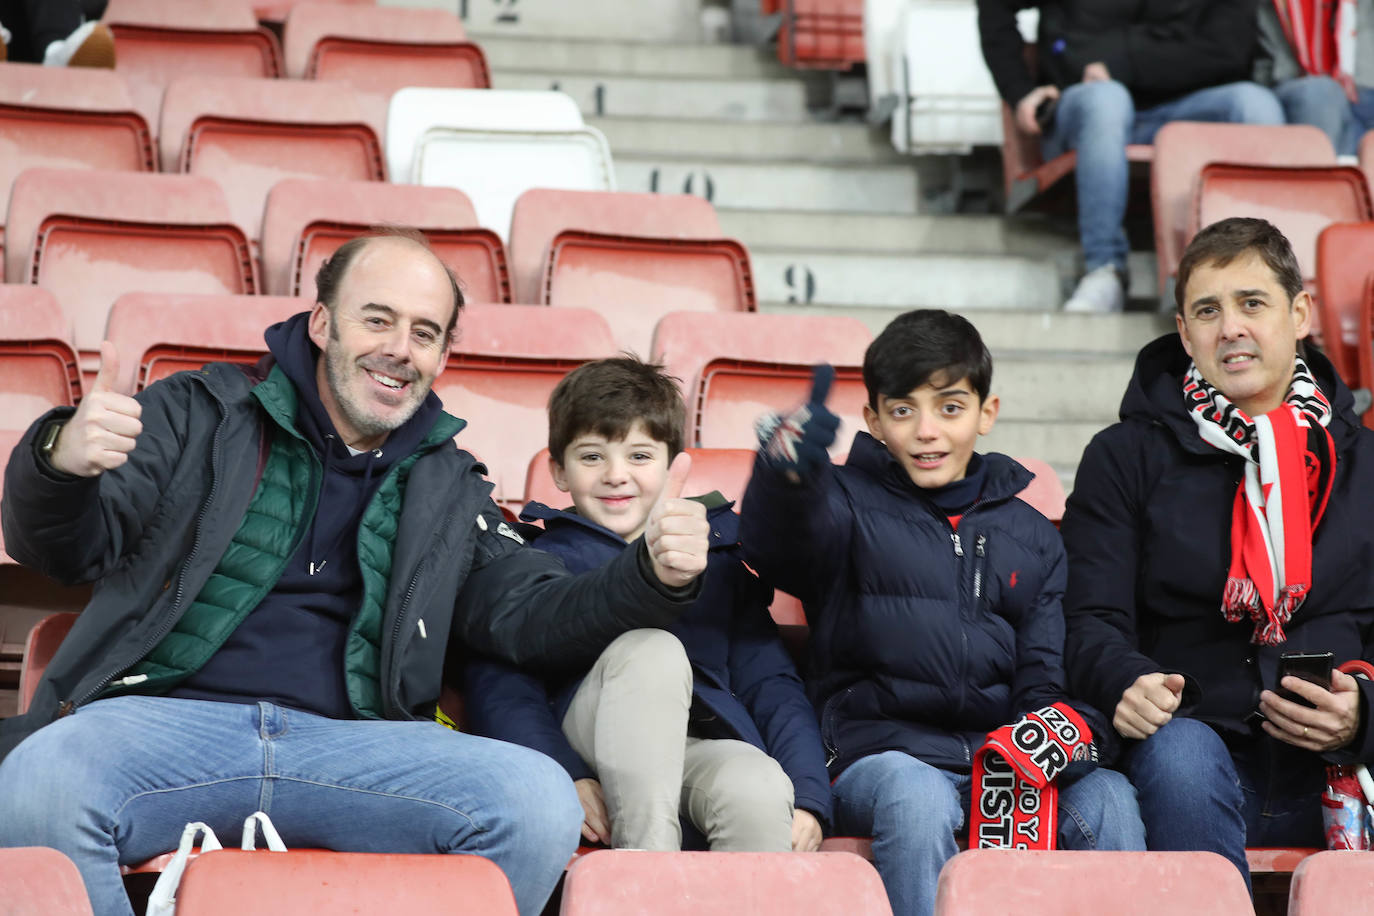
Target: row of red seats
<point x="818" y="34"/>
<point x="620" y="883"/>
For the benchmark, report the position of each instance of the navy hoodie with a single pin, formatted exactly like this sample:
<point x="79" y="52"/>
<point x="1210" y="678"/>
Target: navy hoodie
<point x="290" y="649"/>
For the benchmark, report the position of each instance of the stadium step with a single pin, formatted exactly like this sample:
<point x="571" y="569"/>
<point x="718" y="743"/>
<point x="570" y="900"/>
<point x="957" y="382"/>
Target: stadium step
<point x="763" y="184"/>
<point x="955" y="281"/>
<point x="853" y="144"/>
<point x="661" y="20"/>
<point x="559" y="56"/>
<point x="670" y="97"/>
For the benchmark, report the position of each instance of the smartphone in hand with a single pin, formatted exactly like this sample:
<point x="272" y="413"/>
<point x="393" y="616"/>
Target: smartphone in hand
<point x="1310" y="666"/>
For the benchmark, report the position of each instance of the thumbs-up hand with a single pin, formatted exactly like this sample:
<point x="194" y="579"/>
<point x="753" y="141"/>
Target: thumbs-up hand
<point x="105" y="427"/>
<point x="677" y="534"/>
<point x="796" y="444"/>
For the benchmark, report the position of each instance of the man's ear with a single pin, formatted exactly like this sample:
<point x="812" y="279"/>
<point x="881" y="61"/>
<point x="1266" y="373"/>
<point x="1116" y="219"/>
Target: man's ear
<point x="1182" y="325"/>
<point x="1302" y="313"/>
<point x="319" y="325"/>
<point x="987" y="414"/>
<point x="560" y="479"/>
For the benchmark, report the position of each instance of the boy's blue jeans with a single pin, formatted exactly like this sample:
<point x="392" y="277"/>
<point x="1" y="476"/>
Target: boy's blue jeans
<point x="912" y="810"/>
<point x="116" y="782"/>
<point x="1196" y="793"/>
<point x="1099" y="119"/>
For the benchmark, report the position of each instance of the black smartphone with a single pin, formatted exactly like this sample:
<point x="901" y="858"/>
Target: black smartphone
<point x="1044" y="114"/>
<point x="1310" y="666"/>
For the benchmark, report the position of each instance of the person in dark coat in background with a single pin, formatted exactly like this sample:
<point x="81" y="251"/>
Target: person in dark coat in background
<point x="933" y="596"/>
<point x="1111" y="73"/>
<point x="1223" y="522"/>
<point x="708" y="717"/>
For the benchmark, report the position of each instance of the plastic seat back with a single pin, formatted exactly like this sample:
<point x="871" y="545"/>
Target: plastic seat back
<point x="306" y="220"/>
<point x="1182" y="148"/>
<point x="1045" y="493"/>
<point x="157" y="41"/>
<point x="540" y="214"/>
<point x="736" y="367"/>
<point x="616" y="882"/>
<point x="278" y="10"/>
<point x="158" y="334"/>
<point x="88" y="236"/>
<point x="378" y="50"/>
<point x="38" y="364"/>
<point x="415" y="110"/>
<point x="317" y="881"/>
<point x="1345" y="258"/>
<point x="40" y="881"/>
<point x="980" y="882"/>
<point x="1330" y="883"/>
<point x="722" y="470"/>
<point x="634" y="281"/>
<point x="39" y="649"/>
<point x="822" y="34"/>
<point x="1366" y="157"/>
<point x="71" y="118"/>
<point x="248" y="134"/>
<point x="1365" y="350"/>
<point x="501" y="370"/>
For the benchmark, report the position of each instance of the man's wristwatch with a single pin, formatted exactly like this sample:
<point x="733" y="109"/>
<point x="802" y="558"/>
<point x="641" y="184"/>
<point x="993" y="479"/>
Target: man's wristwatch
<point x="47" y="439"/>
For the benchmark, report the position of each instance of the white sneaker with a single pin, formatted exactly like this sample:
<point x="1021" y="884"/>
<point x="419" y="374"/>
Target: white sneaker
<point x="1100" y="291"/>
<point x="91" y="45"/>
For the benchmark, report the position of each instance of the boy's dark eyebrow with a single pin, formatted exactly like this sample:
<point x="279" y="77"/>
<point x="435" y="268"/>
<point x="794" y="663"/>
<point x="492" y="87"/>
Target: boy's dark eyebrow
<point x="391" y="313"/>
<point x="949" y="392"/>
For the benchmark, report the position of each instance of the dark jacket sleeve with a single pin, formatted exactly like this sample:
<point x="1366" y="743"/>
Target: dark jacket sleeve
<point x="1004" y="49"/>
<point x="1039" y="677"/>
<point x="1103" y="543"/>
<point x="794" y="534"/>
<point x="521" y="605"/>
<point x="508" y="704"/>
<point x="764" y="679"/>
<point x="76" y="529"/>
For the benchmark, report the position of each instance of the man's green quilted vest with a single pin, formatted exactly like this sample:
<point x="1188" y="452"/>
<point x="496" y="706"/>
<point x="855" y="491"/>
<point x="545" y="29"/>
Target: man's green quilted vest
<point x="277" y="518"/>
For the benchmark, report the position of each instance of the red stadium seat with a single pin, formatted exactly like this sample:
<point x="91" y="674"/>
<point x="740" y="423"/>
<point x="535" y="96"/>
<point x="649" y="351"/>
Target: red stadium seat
<point x="38" y="364"/>
<point x="1182" y="148"/>
<point x="1345" y="258"/>
<point x="723" y="470"/>
<point x="39" y="881"/>
<point x="68" y="117"/>
<point x="501" y="369"/>
<point x="306" y="220"/>
<point x="1045" y="493"/>
<point x="248" y="134"/>
<point x="984" y="882"/>
<point x="1366" y="157"/>
<point x="541" y="214"/>
<point x="736" y="367"/>
<point x="158" y="334"/>
<point x="226" y="881"/>
<point x="1365" y="349"/>
<point x="90" y="235"/>
<point x="157" y="41"/>
<point x="277" y="10"/>
<point x="378" y="50"/>
<point x="39" y="649"/>
<point x="822" y="34"/>
<point x="615" y="882"/>
<point x="1330" y="883"/>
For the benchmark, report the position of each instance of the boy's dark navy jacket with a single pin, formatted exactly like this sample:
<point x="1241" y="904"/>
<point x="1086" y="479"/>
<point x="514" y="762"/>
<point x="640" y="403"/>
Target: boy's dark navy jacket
<point x="923" y="639"/>
<point x="741" y="673"/>
<point x="1148" y="528"/>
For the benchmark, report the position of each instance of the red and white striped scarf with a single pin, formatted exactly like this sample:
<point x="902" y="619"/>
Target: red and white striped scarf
<point x="1321" y="34"/>
<point x="1290" y="462"/>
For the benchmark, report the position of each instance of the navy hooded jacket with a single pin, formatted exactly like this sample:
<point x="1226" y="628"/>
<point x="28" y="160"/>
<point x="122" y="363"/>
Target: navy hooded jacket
<point x="741" y="672"/>
<point x="923" y="639"/>
<point x="1148" y="530"/>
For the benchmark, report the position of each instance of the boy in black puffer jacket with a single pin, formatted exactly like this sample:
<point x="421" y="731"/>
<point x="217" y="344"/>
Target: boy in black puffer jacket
<point x="707" y="720"/>
<point x="933" y="595"/>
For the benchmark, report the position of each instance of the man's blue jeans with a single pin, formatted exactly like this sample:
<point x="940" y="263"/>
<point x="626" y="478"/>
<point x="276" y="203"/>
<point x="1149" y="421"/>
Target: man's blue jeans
<point x="912" y="810"/>
<point x="1197" y="794"/>
<point x="1099" y="119"/>
<point x="1321" y="102"/>
<point x="115" y="783"/>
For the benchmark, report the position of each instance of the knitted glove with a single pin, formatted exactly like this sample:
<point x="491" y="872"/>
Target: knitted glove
<point x="796" y="444"/>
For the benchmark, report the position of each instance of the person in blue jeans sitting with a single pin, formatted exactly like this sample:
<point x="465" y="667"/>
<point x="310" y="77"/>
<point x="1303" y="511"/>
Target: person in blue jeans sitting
<point x="1111" y="74"/>
<point x="704" y="722"/>
<point x="933" y="596"/>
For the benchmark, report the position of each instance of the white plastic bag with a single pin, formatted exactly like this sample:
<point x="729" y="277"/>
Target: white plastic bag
<point x="162" y="901"/>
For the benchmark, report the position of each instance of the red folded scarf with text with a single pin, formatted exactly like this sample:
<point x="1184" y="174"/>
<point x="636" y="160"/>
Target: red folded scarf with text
<point x="1015" y="802"/>
<point x="1290" y="463"/>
